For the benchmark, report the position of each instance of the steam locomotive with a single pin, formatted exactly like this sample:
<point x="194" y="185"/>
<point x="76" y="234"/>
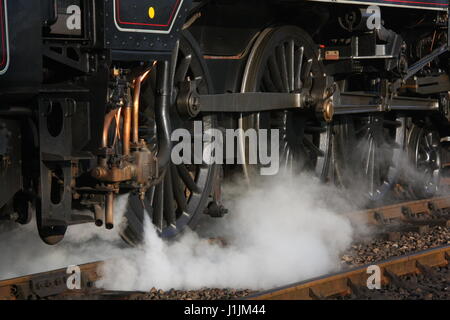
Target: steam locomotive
<point x="91" y="91"/>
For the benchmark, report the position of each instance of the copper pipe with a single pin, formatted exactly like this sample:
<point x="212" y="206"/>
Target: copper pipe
<point x="99" y="215"/>
<point x="109" y="211"/>
<point x="117" y="133"/>
<point x="102" y="162"/>
<point x="137" y="94"/>
<point x="126" y="131"/>
<point x="108" y="120"/>
<point x="136" y="97"/>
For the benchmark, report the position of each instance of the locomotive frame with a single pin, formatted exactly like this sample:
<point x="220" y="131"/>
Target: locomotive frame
<point x="86" y="115"/>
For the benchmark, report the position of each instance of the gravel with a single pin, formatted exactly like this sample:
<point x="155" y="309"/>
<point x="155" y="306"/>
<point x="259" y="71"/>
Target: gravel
<point x="375" y="250"/>
<point x="434" y="286"/>
<point x="204" y="294"/>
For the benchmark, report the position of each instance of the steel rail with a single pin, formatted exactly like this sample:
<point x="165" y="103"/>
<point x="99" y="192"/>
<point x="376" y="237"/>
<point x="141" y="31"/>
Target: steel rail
<point x="425" y="212"/>
<point x="47" y="284"/>
<point x="345" y="283"/>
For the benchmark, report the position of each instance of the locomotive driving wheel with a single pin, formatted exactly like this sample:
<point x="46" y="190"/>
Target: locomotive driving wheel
<point x="367" y="152"/>
<point x="424" y="148"/>
<point x="182" y="195"/>
<point x="284" y="59"/>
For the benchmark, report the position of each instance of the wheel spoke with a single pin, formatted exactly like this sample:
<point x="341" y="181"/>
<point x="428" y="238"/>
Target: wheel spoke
<point x="178" y="191"/>
<point x="435" y="141"/>
<point x="298" y="74"/>
<point x="292" y="161"/>
<point x="148" y="201"/>
<point x="291" y="64"/>
<point x="183" y="68"/>
<point x="311" y="146"/>
<point x="199" y="81"/>
<point x="187" y="179"/>
<point x="284" y="149"/>
<point x="428" y="141"/>
<point x="378" y="163"/>
<point x="307" y="73"/>
<point x="287" y="156"/>
<point x="281" y="53"/>
<point x="424" y="149"/>
<point x="174" y="63"/>
<point x="362" y="129"/>
<point x="368" y="163"/>
<point x="275" y="73"/>
<point x="372" y="169"/>
<point x="268" y="83"/>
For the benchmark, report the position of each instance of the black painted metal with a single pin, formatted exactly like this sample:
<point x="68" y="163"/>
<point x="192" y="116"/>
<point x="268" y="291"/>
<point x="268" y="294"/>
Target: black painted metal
<point x="10" y="159"/>
<point x="24" y="69"/>
<point x="251" y="102"/>
<point x="51" y="64"/>
<point x="426" y="4"/>
<point x="163" y="99"/>
<point x="127" y="25"/>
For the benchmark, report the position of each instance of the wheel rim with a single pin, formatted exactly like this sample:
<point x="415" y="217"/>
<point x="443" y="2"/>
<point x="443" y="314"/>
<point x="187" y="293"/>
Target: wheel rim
<point x="284" y="60"/>
<point x="178" y="201"/>
<point x="425" y="155"/>
<point x="367" y="152"/>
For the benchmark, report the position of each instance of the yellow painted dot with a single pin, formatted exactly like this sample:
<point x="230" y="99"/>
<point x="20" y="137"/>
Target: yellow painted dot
<point x="151" y="12"/>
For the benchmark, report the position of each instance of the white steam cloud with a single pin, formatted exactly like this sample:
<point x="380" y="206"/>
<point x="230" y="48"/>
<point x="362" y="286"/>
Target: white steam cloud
<point x="22" y="252"/>
<point x="280" y="232"/>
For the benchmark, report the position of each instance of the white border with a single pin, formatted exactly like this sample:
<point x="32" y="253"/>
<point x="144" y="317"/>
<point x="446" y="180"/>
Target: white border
<point x="146" y="31"/>
<point x="382" y="4"/>
<point x="6" y="67"/>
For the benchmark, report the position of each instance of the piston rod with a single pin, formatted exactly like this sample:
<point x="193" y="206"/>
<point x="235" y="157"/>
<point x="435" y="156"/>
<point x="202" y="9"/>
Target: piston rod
<point x="343" y="103"/>
<point x="251" y="102"/>
<point x="353" y="103"/>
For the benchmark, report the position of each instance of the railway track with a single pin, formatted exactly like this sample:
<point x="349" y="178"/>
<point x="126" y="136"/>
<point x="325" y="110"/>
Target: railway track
<point x="390" y="220"/>
<point x="51" y="283"/>
<point x="355" y="281"/>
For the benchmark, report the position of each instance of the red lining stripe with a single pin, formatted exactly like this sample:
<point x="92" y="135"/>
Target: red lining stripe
<point x="417" y="2"/>
<point x="2" y="22"/>
<point x="146" y="24"/>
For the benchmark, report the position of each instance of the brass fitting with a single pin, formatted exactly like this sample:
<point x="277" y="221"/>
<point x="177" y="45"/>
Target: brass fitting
<point x="328" y="110"/>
